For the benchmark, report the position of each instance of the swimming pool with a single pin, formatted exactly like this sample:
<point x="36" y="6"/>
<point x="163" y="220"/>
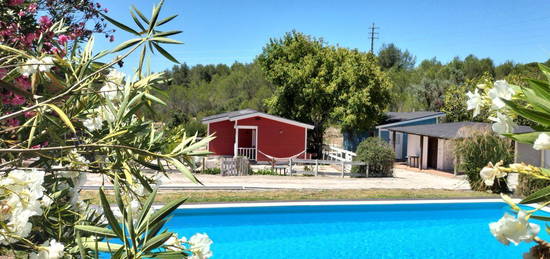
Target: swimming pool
<point x="442" y="230"/>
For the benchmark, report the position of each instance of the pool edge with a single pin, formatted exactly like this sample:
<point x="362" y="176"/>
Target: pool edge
<point x="329" y="203"/>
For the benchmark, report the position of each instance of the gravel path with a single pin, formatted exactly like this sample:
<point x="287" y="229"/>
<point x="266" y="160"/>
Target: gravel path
<point x="403" y="179"/>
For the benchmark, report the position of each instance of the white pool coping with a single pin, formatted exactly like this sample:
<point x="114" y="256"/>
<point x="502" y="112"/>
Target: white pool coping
<point x="330" y="203"/>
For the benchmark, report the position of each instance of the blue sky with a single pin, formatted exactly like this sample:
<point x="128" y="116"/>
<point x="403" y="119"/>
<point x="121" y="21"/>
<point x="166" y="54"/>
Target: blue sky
<point x="228" y="31"/>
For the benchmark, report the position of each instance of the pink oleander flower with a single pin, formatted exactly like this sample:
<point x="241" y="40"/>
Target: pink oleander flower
<point x="62" y="39"/>
<point x="15" y="2"/>
<point x="6" y="100"/>
<point x="106" y="10"/>
<point x="18" y="100"/>
<point x="13" y="122"/>
<point x="45" y="20"/>
<point x="111" y="38"/>
<point x="21" y="13"/>
<point x="32" y="8"/>
<point x="29" y="38"/>
<point x="23" y="83"/>
<point x="29" y="114"/>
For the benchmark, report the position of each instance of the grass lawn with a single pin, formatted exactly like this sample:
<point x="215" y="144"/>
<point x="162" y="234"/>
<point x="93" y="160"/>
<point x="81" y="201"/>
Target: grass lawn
<point x="298" y="195"/>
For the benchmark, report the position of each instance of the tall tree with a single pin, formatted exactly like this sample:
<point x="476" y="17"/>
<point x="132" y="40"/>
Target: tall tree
<point x="399" y="65"/>
<point x="390" y="56"/>
<point x="319" y="84"/>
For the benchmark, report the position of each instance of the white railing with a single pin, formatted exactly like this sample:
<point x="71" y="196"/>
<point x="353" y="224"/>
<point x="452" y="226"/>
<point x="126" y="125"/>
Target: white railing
<point x="338" y="154"/>
<point x="334" y="153"/>
<point x="248" y="152"/>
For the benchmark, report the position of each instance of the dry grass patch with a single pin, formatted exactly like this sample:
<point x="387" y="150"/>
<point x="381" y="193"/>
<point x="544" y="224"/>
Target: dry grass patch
<point x="195" y="196"/>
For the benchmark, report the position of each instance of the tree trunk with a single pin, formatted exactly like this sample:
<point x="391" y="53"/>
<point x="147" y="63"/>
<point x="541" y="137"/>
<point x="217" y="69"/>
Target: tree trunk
<point x="316" y="141"/>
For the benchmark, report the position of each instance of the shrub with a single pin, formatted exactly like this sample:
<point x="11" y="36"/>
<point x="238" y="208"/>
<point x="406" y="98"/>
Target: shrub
<point x="527" y="185"/>
<point x="476" y="150"/>
<point x="210" y="171"/>
<point x="379" y="156"/>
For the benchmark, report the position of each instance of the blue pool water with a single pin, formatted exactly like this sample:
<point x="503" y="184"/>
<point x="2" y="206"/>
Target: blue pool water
<point x="447" y="230"/>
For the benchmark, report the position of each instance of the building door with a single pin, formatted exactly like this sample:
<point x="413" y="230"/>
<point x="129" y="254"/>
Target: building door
<point x="432" y="153"/>
<point x="398" y="145"/>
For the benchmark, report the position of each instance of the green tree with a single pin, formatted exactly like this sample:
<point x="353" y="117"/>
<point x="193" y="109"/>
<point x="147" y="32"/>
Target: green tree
<point x="504" y="69"/>
<point x="318" y="84"/>
<point x="455" y="100"/>
<point x="399" y="65"/>
<point x="390" y="56"/>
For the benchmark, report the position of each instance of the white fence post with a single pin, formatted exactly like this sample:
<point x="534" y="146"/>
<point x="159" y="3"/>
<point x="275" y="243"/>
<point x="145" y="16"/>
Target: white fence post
<point x="290" y="166"/>
<point x="316" y="167"/>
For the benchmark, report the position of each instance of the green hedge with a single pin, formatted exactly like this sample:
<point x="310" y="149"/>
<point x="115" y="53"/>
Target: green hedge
<point x="378" y="154"/>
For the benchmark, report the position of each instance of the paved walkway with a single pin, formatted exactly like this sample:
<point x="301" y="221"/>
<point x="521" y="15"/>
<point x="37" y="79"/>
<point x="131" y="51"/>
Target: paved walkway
<point x="403" y="179"/>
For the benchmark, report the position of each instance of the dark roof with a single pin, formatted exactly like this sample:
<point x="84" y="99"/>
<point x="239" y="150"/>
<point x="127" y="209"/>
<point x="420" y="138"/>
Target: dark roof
<point x="523" y="129"/>
<point x="229" y="114"/>
<point x="442" y="130"/>
<point x="396" y="117"/>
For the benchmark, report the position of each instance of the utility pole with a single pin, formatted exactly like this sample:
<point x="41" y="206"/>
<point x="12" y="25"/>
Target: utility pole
<point x="372" y="36"/>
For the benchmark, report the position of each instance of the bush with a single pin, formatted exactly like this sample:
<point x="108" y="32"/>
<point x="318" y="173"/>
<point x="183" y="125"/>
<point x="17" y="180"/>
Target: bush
<point x="478" y="149"/>
<point x="528" y="184"/>
<point x="210" y="171"/>
<point x="378" y="154"/>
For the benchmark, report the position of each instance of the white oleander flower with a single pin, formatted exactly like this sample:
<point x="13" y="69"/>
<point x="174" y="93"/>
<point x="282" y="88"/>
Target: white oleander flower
<point x="46" y="201"/>
<point x="502" y="124"/>
<point x="46" y="64"/>
<point x="50" y="250"/>
<point x="116" y="76"/>
<point x="474" y="101"/>
<point x="173" y="243"/>
<point x="93" y="124"/>
<point x="78" y="161"/>
<point x="134" y="206"/>
<point x="542" y="142"/>
<point x="30" y="67"/>
<point x="23" y="198"/>
<point x="113" y="89"/>
<point x="491" y="172"/>
<point x="515" y="230"/>
<point x="200" y="245"/>
<point x="501" y="90"/>
<point x="34" y="65"/>
<point x="107" y="114"/>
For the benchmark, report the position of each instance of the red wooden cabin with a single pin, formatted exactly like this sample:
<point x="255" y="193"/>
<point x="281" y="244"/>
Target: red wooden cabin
<point x="256" y="135"/>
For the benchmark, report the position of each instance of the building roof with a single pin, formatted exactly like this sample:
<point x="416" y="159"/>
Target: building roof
<point x="397" y="118"/>
<point x="228" y="115"/>
<point x="523" y="129"/>
<point x="451" y="130"/>
<point x="249" y="113"/>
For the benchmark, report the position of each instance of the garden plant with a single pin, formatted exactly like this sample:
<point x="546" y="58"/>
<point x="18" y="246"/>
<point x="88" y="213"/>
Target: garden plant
<point x="509" y="103"/>
<point x="378" y="155"/>
<point x="67" y="112"/>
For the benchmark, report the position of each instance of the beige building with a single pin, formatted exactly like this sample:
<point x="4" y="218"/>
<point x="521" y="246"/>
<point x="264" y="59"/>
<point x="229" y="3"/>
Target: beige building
<point x="526" y="154"/>
<point x="432" y="146"/>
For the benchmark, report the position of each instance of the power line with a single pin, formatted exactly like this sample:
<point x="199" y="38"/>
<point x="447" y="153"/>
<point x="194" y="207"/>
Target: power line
<point x="373" y="37"/>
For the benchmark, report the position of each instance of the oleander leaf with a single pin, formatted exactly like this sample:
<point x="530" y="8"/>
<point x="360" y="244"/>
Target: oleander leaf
<point x="541" y="195"/>
<point x="119" y="25"/>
